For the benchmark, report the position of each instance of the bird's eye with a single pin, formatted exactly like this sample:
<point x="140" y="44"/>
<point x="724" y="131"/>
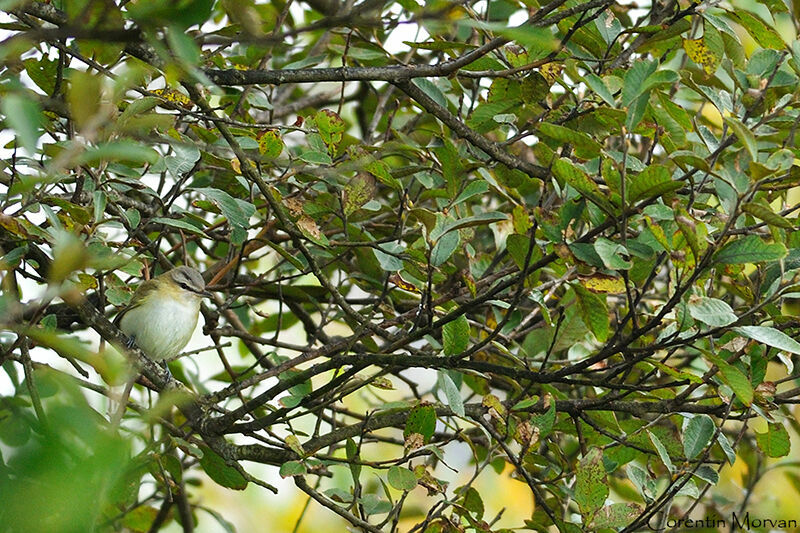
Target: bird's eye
<point x="184" y="286"/>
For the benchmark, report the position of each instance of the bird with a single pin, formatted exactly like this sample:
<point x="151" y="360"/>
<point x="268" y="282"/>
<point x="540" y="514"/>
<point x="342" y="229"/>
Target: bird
<point x="163" y="312"/>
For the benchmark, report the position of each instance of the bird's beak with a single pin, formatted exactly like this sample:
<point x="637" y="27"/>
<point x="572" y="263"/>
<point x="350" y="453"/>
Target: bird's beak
<point x="205" y="294"/>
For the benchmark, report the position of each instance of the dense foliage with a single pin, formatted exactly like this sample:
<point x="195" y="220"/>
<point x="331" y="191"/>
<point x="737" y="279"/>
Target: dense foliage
<point x="555" y="241"/>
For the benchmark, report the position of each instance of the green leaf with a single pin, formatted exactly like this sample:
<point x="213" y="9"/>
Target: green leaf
<point x="662" y="451"/>
<point x="125" y="151"/>
<point x="745" y="135"/>
<point x="373" y="504"/>
<point x="771" y="337"/>
<point x="401" y="478"/>
<point x="315" y="157"/>
<point x="750" y="249"/>
<point x="476" y="220"/>
<point x="711" y="311"/>
<point x="585" y="146"/>
<point x="593" y="311"/>
<point x="734" y="378"/>
<point x="545" y="421"/>
<point x="292" y="468"/>
<point x="775" y="441"/>
<point x="358" y="191"/>
<point x="430" y="89"/>
<point x="24" y="116"/>
<point x="386" y="254"/>
<point x="183" y="46"/>
<point x="597" y="84"/>
<point x="537" y="41"/>
<point x="697" y="434"/>
<point x="444" y="248"/>
<point x="238" y="212"/>
<point x="451" y="392"/>
<point x="517" y="246"/>
<point x="179" y="224"/>
<point x="382" y="173"/>
<point x="182" y="160"/>
<point x="652" y="182"/>
<point x="455" y="336"/>
<point x="609" y="28"/>
<point x="564" y="170"/>
<point x="765" y="213"/>
<point x="473" y="189"/>
<point x="634" y="80"/>
<point x="706" y="473"/>
<point x="139" y="107"/>
<point x="763" y="34"/>
<point x="43" y="72"/>
<point x="84" y="95"/>
<point x="612" y="254"/>
<point x="351" y="451"/>
<point x="591" y="488"/>
<point x="421" y="420"/>
<point x="218" y="470"/>
<point x="474" y="503"/>
<point x="636" y="111"/>
<point x="659" y="77"/>
<point x="182" y="14"/>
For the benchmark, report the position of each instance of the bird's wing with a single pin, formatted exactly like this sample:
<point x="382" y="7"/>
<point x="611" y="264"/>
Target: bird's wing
<point x="139" y="296"/>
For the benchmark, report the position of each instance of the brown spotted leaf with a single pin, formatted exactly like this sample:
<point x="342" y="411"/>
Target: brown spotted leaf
<point x="700" y="53"/>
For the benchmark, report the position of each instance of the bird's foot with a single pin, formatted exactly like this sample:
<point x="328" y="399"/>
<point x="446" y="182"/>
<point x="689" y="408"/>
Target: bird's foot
<point x="164" y="365"/>
<point x="131" y="342"/>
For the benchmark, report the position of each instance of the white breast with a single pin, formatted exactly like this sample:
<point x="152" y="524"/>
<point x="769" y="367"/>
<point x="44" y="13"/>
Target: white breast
<point x="162" y="326"/>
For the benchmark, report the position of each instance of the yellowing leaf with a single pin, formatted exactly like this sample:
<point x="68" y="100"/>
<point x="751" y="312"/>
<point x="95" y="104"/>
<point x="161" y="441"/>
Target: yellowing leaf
<point x="171" y="95"/>
<point x="294" y="443"/>
<point x="551" y="72"/>
<point x="331" y="127"/>
<point x="359" y="190"/>
<point x="403" y="284"/>
<point x="698" y="52"/>
<point x="310" y="229"/>
<point x="270" y="144"/>
<point x="602" y="283"/>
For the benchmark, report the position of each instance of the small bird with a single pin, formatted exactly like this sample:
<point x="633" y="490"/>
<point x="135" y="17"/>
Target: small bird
<point x="163" y="313"/>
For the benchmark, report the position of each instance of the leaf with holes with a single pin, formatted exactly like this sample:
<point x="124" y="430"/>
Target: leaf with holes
<point x="422" y="421"/>
<point x="615" y="516"/>
<point x="591" y="488"/>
